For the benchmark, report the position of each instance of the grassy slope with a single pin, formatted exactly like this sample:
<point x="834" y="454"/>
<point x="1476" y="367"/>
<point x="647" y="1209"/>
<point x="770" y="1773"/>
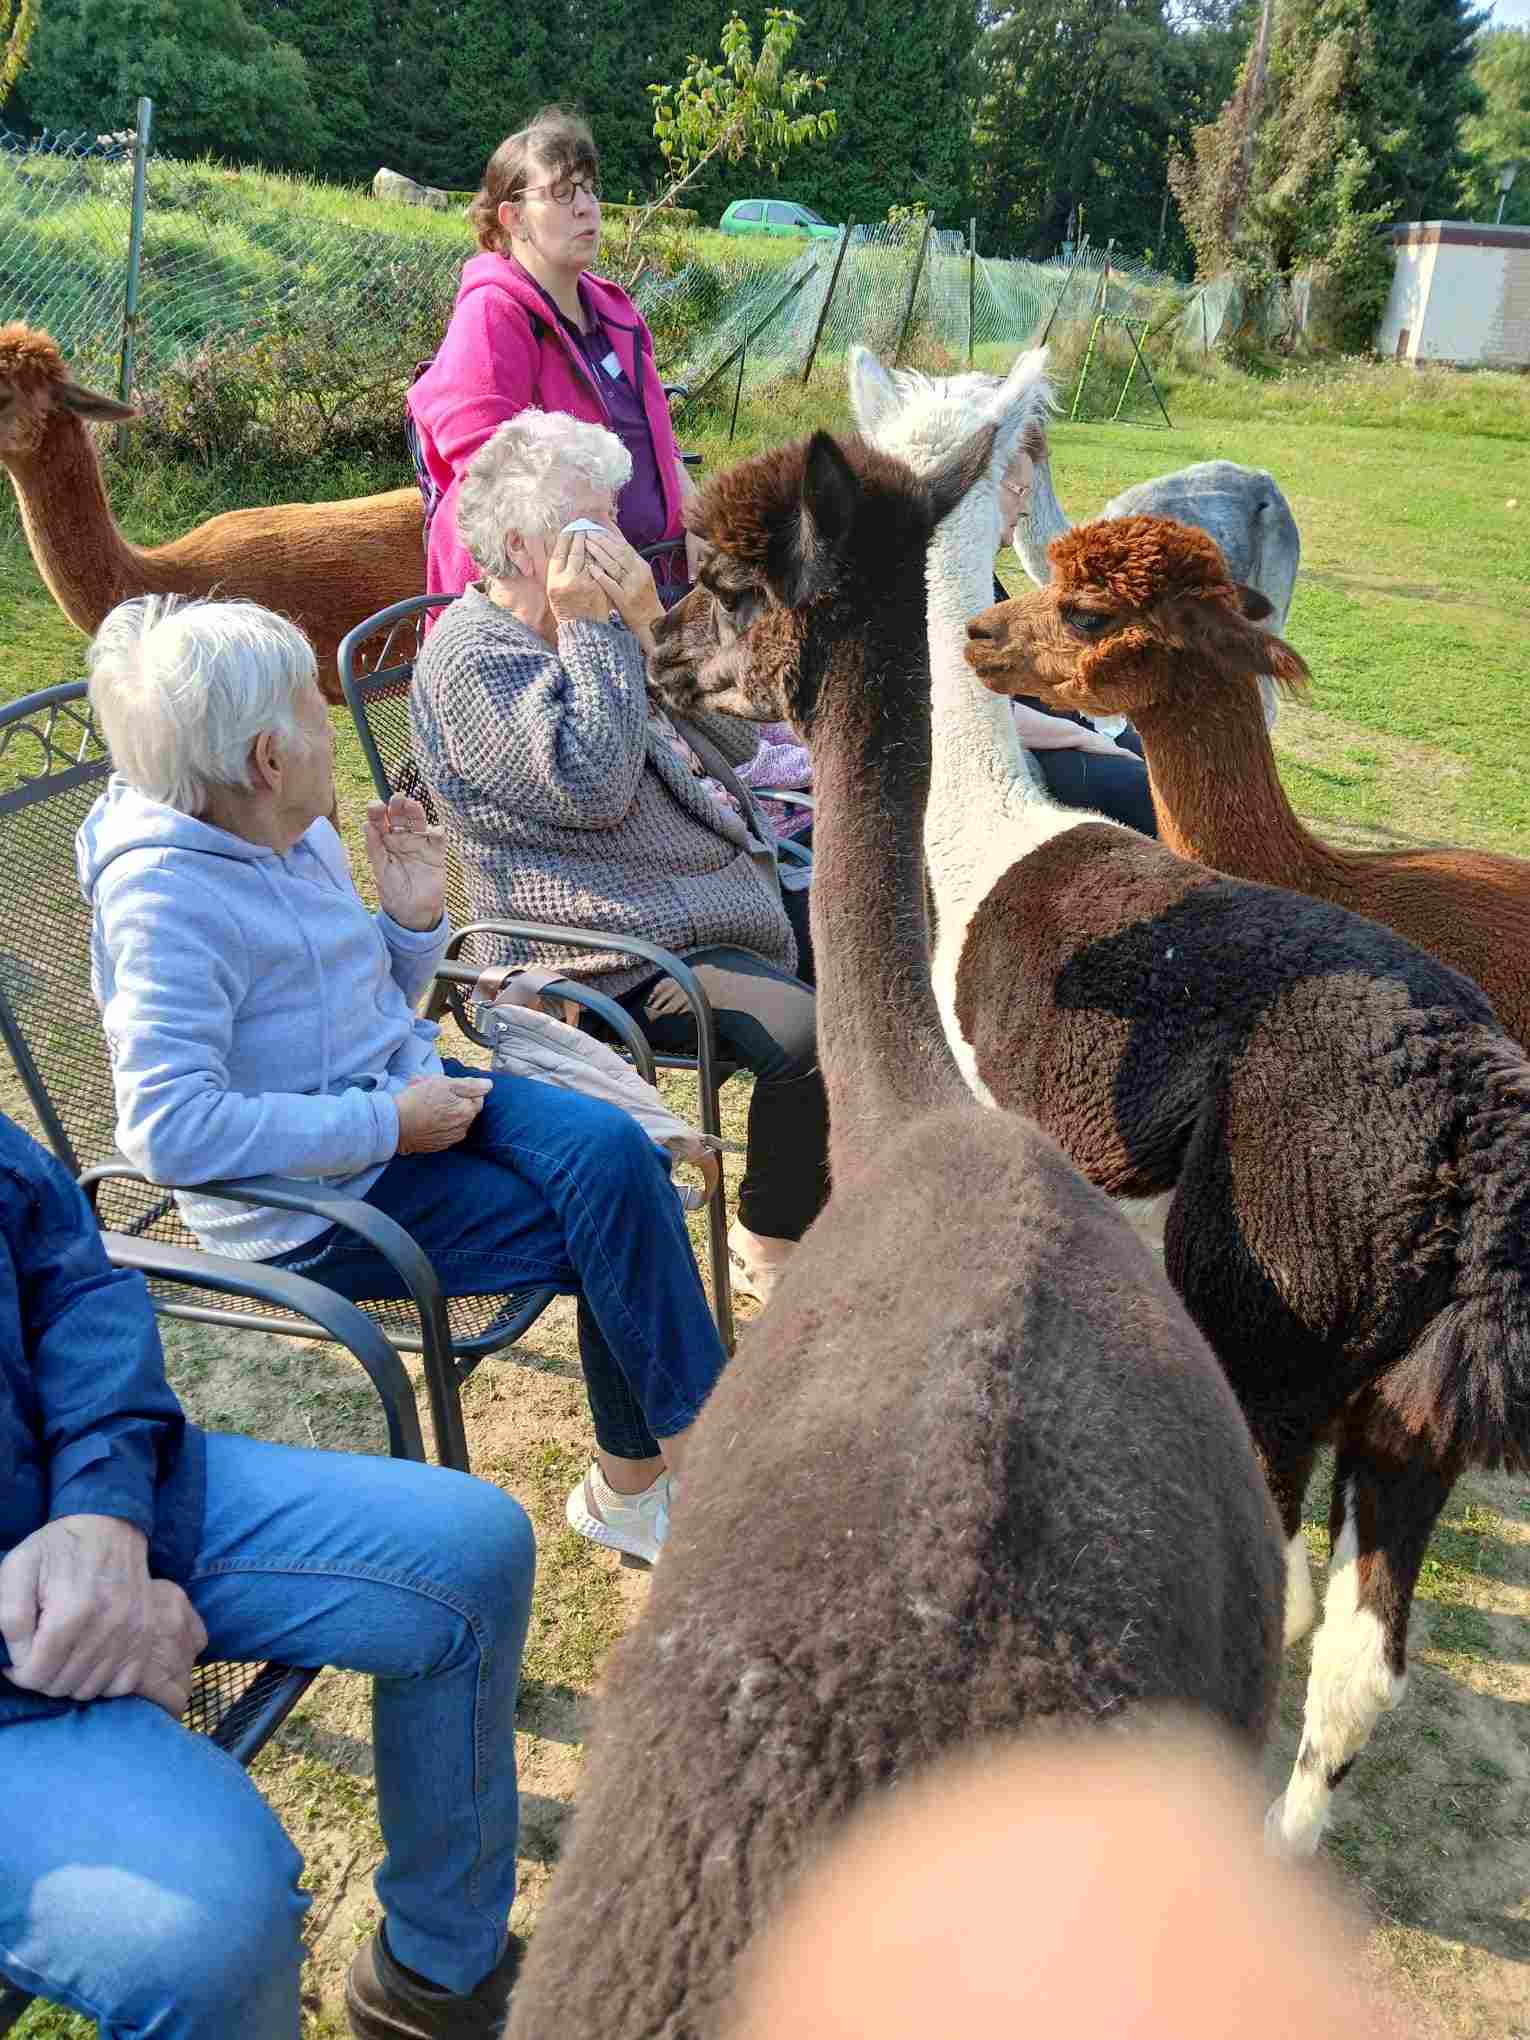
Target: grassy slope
<point x="1413" y="610"/>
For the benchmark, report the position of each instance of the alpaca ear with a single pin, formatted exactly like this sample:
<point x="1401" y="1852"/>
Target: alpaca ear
<point x="958" y="472"/>
<point x="830" y="491"/>
<point x="873" y="393"/>
<point x="1256" y="605"/>
<point x="1025" y="392"/>
<point x="69" y="396"/>
<point x="1288" y="665"/>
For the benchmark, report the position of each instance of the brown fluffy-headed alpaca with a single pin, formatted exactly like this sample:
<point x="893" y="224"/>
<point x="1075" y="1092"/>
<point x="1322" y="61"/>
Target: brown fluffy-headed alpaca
<point x="326" y="565"/>
<point x="1142" y="619"/>
<point x="972" y="1468"/>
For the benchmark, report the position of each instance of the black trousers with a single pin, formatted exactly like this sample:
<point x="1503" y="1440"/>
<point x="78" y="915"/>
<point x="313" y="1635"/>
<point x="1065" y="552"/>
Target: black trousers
<point x="766" y="1023"/>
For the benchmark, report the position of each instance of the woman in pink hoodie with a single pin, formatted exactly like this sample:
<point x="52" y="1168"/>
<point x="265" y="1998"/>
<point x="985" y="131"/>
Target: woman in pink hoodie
<point x="532" y="326"/>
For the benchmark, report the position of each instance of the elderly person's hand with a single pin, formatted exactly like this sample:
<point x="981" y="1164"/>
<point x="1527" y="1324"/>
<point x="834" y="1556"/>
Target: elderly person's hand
<point x="572" y="590"/>
<point x="627" y="580"/>
<point x="1015" y="492"/>
<point x="82" y="1620"/>
<point x="408" y="860"/>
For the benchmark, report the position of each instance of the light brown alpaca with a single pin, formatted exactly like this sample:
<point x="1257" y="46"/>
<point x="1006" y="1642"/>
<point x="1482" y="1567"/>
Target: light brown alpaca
<point x="1169" y="640"/>
<point x="326" y="565"/>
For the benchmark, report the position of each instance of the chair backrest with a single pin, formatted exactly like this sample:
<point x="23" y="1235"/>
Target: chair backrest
<point x="376" y="662"/>
<point x="53" y="765"/>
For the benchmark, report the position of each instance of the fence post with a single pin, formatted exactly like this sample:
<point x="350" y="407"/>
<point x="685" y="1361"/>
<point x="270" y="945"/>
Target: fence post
<point x="135" y="256"/>
<point x="971" y="282"/>
<point x="823" y="312"/>
<point x="913" y="288"/>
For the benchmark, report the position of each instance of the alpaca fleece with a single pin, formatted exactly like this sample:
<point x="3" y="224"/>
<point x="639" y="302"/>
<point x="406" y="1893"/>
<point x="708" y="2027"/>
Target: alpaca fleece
<point x="1293" y="1071"/>
<point x="1343" y="1128"/>
<point x="945" y="1489"/>
<point x="987" y="1492"/>
<point x="326" y="565"/>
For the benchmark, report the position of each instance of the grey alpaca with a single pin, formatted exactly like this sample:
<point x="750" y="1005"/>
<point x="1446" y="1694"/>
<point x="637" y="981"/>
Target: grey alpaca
<point x="973" y="1468"/>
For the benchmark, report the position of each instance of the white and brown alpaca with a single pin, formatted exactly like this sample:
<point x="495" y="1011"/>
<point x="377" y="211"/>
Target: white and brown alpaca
<point x="1182" y="667"/>
<point x="987" y="808"/>
<point x="946" y="1488"/>
<point x="1342" y="1128"/>
<point x="325" y="565"/>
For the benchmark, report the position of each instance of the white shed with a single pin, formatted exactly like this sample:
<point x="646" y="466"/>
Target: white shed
<point x="1460" y="293"/>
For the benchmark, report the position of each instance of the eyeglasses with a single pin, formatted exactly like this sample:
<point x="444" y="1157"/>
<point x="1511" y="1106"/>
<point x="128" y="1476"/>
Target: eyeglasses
<point x="562" y="193"/>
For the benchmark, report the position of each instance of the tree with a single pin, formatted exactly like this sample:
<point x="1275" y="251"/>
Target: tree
<point x="18" y="22"/>
<point x="746" y="107"/>
<point x="1500" y="134"/>
<point x="219" y="82"/>
<point x="1083" y="101"/>
<point x="1356" y="124"/>
<point x="904" y="76"/>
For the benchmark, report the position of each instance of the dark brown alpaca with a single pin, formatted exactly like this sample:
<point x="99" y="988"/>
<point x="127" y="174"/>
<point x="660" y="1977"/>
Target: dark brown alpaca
<point x="1143" y="620"/>
<point x="326" y="565"/>
<point x="1342" y="1126"/>
<point x="993" y="1474"/>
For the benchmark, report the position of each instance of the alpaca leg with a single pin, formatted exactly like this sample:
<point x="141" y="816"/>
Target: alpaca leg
<point x="1301" y="1601"/>
<point x="1381" y="1520"/>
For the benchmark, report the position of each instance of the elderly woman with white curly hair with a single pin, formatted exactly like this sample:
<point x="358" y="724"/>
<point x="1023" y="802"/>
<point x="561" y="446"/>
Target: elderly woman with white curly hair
<point x="575" y="798"/>
<point x="262" y="1020"/>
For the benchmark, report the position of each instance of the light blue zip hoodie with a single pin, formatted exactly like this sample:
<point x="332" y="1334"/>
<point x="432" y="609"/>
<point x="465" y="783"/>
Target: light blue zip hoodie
<point x="259" y="1017"/>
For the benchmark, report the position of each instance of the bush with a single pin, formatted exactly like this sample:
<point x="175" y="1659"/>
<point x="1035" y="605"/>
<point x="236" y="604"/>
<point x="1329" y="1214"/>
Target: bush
<point x="327" y="380"/>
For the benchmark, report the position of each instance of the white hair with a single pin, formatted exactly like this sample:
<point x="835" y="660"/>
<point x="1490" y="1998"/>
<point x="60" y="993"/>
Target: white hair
<point x="529" y="478"/>
<point x="181" y="691"/>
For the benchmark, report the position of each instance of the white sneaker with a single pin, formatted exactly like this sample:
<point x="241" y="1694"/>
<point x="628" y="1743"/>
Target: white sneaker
<point x="755" y="1262"/>
<point x="634" y="1525"/>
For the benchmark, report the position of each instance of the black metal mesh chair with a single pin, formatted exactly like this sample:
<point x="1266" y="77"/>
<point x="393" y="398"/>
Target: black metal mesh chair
<point x="53" y="764"/>
<point x="241" y="1706"/>
<point x="376" y="662"/>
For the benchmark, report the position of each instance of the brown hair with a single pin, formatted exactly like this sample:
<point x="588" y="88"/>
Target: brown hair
<point x="553" y="139"/>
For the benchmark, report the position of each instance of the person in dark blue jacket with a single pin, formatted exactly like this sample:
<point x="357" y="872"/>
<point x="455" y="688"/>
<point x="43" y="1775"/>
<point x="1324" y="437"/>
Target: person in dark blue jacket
<point x="143" y="1879"/>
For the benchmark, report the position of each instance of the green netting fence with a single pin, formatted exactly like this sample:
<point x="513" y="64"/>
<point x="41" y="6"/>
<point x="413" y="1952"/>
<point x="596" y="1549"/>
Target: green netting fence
<point x="250" y="279"/>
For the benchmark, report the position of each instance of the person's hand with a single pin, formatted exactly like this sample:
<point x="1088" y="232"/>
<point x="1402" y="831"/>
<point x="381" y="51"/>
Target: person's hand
<point x="408" y="860"/>
<point x="82" y="1620"/>
<point x="572" y="591"/>
<point x="627" y="580"/>
<point x="436" y="1112"/>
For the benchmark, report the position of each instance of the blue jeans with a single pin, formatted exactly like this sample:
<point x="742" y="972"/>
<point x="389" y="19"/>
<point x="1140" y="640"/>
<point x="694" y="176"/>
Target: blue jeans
<point x="143" y="1879"/>
<point x="554" y="1188"/>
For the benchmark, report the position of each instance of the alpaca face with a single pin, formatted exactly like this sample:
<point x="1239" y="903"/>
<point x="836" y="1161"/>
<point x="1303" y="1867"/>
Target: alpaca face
<point x="1141" y="613"/>
<point x="803" y="542"/>
<point x="35" y="387"/>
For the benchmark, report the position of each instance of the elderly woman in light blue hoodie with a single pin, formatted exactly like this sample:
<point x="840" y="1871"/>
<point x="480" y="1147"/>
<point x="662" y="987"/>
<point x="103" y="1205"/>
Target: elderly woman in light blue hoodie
<point x="261" y="1020"/>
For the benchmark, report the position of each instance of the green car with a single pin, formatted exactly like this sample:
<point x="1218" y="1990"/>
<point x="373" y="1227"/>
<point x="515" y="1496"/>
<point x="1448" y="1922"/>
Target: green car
<point x="777" y="216"/>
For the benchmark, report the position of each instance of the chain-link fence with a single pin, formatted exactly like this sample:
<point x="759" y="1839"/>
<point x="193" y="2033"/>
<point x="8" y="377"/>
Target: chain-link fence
<point x="283" y="311"/>
<point x="65" y="218"/>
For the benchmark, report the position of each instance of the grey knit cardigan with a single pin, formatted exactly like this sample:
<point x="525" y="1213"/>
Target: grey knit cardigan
<point x="564" y="805"/>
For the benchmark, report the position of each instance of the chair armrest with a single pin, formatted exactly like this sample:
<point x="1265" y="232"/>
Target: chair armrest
<point x="664" y="962"/>
<point x="344" y="1323"/>
<point x="387" y="1238"/>
<point x="461" y="976"/>
<point x="789" y="794"/>
<point x="792" y="853"/>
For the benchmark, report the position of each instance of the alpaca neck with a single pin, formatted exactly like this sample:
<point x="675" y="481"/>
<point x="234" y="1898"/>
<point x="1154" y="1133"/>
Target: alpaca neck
<point x="1043" y="521"/>
<point x="82" y="557"/>
<point x="881" y="1048"/>
<point x="985" y="810"/>
<point x="1216" y="789"/>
